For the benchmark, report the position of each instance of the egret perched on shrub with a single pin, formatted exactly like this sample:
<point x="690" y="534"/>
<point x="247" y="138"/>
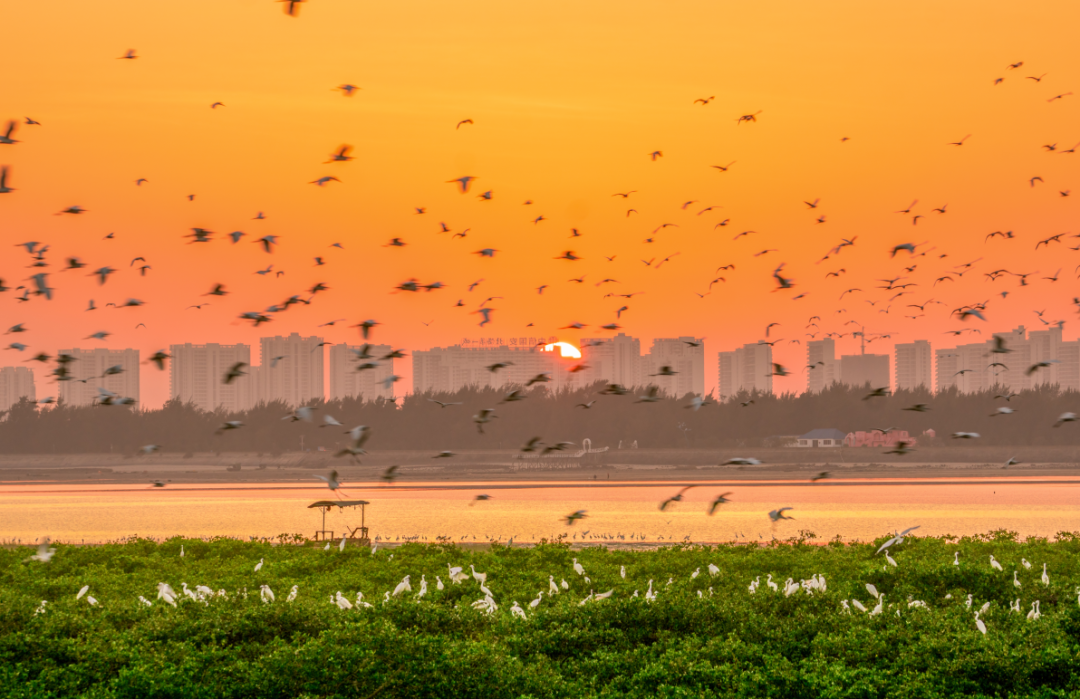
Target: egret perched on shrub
<point x="402" y="586"/>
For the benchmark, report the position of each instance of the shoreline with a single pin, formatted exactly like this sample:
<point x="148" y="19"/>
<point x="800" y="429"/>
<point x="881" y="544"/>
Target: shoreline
<point x="502" y="466"/>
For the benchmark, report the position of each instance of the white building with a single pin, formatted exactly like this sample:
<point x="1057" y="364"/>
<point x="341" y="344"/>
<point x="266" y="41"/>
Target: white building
<point x="291" y="369"/>
<point x="976" y="367"/>
<point x="197" y="375"/>
<point x="614" y="360"/>
<point x="748" y="368"/>
<point x="686" y="357"/>
<point x="346" y="381"/>
<point x="88" y="375"/>
<point x="16" y="382"/>
<point x="914" y="365"/>
<point x="861" y="369"/>
<point x="449" y="369"/>
<point x="821" y="355"/>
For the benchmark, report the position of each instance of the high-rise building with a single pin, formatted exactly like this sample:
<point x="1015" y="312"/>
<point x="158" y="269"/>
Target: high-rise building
<point x="1068" y="369"/>
<point x="686" y="357"/>
<point x="449" y="369"/>
<point x="860" y="369"/>
<point x="988" y="366"/>
<point x="352" y="375"/>
<point x="15" y="382"/>
<point x="614" y="360"/>
<point x="914" y="365"/>
<point x="748" y="368"/>
<point x="88" y="374"/>
<point x="291" y="369"/>
<point x="197" y="372"/>
<point x="824" y="369"/>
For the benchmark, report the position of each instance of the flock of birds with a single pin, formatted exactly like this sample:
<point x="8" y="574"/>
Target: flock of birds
<point x="456" y="575"/>
<point x="916" y="258"/>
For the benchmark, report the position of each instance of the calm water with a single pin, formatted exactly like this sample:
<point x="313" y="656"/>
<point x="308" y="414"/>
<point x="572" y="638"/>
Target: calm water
<point x="855" y="510"/>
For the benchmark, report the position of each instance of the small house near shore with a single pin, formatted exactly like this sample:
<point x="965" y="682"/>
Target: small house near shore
<point x="831" y="438"/>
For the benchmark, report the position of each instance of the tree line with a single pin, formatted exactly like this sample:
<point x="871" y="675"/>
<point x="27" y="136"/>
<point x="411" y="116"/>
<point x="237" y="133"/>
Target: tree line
<point x="418" y="422"/>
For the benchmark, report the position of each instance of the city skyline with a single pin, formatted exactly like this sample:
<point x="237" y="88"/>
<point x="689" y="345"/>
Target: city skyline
<point x="315" y="373"/>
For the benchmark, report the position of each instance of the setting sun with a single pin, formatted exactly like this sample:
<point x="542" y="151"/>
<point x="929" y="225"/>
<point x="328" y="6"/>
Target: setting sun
<point x="565" y="349"/>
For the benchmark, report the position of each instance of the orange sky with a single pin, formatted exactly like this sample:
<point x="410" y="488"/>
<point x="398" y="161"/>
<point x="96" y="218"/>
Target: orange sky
<point x="568" y="100"/>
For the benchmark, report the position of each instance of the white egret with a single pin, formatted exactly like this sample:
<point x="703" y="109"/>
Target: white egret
<point x="517" y="611"/>
<point x="83" y="591"/>
<point x="622" y="572"/>
<point x="478" y="577"/>
<point x="890" y="559"/>
<point x="1016" y="583"/>
<point x="341" y="546"/>
<point x="266" y="594"/>
<point x="1045" y="577"/>
<point x="956" y="559"/>
<point x="578" y="568"/>
<point x="259" y="565"/>
<point x="292" y="593"/>
<point x="993" y="563"/>
<point x="872" y="590"/>
<point x="536" y="602"/>
<point x="858" y="605"/>
<point x="341" y="602"/>
<point x="564" y="584"/>
<point x="181" y="550"/>
<point x="44" y="552"/>
<point x="403" y="586"/>
<point x="880" y="605"/>
<point x="713" y="570"/>
<point x="1026" y="563"/>
<point x="979" y="623"/>
<point x="771" y="584"/>
<point x="439" y="583"/>
<point x="552" y="586"/>
<point x="609" y="593"/>
<point x="984" y="608"/>
<point x="696" y="573"/>
<point x="423" y="587"/>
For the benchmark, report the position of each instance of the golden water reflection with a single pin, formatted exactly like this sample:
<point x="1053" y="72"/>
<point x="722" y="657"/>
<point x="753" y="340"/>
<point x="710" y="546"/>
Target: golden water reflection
<point x="528" y="512"/>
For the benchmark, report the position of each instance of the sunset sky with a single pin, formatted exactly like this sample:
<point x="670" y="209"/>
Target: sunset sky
<point x="568" y="100"/>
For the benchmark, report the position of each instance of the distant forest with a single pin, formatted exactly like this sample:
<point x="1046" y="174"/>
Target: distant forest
<point x="415" y="422"/>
